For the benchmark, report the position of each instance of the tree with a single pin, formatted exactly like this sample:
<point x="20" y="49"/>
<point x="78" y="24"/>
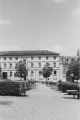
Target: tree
<point x="0" y="72"/>
<point x="47" y="71"/>
<point x="73" y="72"/>
<point x="21" y="70"/>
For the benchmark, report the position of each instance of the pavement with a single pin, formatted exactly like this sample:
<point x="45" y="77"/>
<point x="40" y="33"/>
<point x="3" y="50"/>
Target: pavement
<point x="42" y="103"/>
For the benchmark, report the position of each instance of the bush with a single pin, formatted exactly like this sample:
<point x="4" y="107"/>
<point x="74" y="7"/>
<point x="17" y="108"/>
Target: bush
<point x="14" y="88"/>
<point x="67" y="86"/>
<point x="46" y="82"/>
<point x="50" y="83"/>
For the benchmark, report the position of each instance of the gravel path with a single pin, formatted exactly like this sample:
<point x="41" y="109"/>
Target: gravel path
<point x="43" y="103"/>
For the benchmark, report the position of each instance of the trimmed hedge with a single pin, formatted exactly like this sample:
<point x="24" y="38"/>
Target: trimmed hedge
<point x="50" y="83"/>
<point x="63" y="86"/>
<point x="14" y="88"/>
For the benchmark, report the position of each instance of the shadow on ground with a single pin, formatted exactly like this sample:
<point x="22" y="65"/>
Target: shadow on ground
<point x="6" y="102"/>
<point x="69" y="98"/>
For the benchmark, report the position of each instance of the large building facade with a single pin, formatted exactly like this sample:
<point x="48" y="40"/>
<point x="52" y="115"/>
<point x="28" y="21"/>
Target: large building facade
<point x="35" y="61"/>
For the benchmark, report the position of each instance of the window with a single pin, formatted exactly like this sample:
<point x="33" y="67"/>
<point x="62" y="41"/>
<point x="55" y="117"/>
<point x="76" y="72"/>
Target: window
<point x="40" y="72"/>
<point x="32" y="73"/>
<point x="4" y="65"/>
<point x="10" y="58"/>
<point x="46" y="57"/>
<point x="54" y="64"/>
<point x="39" y="64"/>
<point x="54" y="57"/>
<point x="32" y="65"/>
<point x="16" y="65"/>
<point x="55" y="72"/>
<point x="4" y="58"/>
<point x="47" y="63"/>
<point x="16" y="58"/>
<point x="39" y="57"/>
<point x="10" y="65"/>
<point x="31" y="57"/>
<point x="10" y="74"/>
<point x="24" y="60"/>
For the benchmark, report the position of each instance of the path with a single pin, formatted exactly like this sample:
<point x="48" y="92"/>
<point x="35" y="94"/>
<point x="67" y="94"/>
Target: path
<point x="43" y="103"/>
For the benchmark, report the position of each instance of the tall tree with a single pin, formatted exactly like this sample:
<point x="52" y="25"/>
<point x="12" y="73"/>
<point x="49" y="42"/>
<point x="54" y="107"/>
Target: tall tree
<point x="73" y="72"/>
<point x="21" y="70"/>
<point x="0" y="71"/>
<point x="47" y="70"/>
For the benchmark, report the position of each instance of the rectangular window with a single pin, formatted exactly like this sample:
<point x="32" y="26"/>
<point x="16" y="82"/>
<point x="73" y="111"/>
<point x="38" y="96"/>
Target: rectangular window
<point x="39" y="64"/>
<point x="4" y="58"/>
<point x="10" y="74"/>
<point x="55" y="72"/>
<point x="31" y="57"/>
<point x="39" y="57"/>
<point x="32" y="73"/>
<point x="54" y="64"/>
<point x="4" y="65"/>
<point x="16" y="58"/>
<point x="32" y="65"/>
<point x="16" y="65"/>
<point x="24" y="60"/>
<point x="47" y="63"/>
<point x="10" y="58"/>
<point x="46" y="57"/>
<point x="40" y="72"/>
<point x="10" y="65"/>
<point x="54" y="57"/>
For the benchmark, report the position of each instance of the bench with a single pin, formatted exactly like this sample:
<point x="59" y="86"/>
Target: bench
<point x="73" y="92"/>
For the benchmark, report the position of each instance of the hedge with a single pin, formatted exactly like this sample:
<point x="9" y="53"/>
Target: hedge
<point x="29" y="85"/>
<point x="63" y="86"/>
<point x="50" y="83"/>
<point x="14" y="88"/>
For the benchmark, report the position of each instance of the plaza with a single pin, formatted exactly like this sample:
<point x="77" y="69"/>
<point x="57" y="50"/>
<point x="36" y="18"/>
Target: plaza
<point x="41" y="103"/>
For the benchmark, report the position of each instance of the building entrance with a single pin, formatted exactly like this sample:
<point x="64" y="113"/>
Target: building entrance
<point x="4" y="75"/>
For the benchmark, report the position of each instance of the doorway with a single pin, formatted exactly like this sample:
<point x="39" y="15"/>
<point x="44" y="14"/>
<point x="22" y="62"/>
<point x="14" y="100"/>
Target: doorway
<point x="4" y="75"/>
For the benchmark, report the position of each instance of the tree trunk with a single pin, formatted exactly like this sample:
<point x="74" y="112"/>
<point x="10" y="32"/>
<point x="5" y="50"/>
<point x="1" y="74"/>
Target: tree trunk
<point x="25" y="84"/>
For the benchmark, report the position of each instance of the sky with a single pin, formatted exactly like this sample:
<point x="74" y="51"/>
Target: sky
<point x="40" y="25"/>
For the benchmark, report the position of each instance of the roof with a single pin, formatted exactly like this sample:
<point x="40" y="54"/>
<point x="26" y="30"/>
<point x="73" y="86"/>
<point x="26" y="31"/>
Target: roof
<point x="27" y="53"/>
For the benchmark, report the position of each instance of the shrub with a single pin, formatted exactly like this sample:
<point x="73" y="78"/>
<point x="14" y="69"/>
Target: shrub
<point x="14" y="88"/>
<point x="46" y="82"/>
<point x="67" y="86"/>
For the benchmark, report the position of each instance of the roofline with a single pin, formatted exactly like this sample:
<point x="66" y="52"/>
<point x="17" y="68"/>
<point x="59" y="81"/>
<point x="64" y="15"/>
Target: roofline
<point x="27" y="53"/>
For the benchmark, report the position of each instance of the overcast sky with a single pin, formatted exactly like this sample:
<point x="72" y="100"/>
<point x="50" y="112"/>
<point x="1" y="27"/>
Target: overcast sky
<point x="40" y="24"/>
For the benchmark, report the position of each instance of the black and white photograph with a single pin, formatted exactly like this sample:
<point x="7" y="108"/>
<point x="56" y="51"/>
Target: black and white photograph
<point x="39" y="59"/>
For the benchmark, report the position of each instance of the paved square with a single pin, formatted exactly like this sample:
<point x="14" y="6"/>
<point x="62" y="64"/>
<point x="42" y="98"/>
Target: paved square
<point x="43" y="103"/>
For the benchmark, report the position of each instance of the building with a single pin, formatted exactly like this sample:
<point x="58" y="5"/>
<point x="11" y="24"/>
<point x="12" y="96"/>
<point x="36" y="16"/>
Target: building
<point x="35" y="61"/>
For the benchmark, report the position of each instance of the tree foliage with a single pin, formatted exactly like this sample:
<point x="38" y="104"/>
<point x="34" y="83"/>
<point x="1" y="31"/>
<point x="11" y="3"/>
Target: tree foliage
<point x="73" y="72"/>
<point x="0" y="71"/>
<point x="21" y="70"/>
<point x="47" y="71"/>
